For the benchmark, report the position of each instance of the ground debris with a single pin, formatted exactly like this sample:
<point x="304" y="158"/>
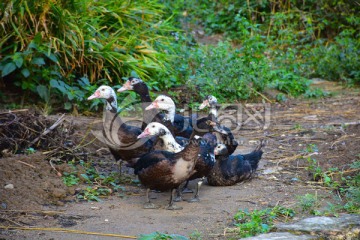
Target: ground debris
<point x="24" y="129"/>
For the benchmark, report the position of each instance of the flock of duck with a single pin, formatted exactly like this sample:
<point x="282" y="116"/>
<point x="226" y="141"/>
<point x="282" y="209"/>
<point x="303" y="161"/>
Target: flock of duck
<point x="169" y="150"/>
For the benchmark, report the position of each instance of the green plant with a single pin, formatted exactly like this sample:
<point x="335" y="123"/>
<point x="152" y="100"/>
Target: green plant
<point x="259" y="221"/>
<point x="309" y="203"/>
<point x="311" y="148"/>
<point x="93" y="193"/>
<point x="161" y="236"/>
<point x="70" y="179"/>
<point x="196" y="235"/>
<point x="30" y="150"/>
<point x="314" y="169"/>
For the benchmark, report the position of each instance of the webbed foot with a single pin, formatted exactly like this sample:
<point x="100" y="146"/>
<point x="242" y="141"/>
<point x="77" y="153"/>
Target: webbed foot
<point x="173" y="207"/>
<point x="150" y="205"/>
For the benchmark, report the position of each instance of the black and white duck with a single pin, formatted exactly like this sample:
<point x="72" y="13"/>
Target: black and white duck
<point x="205" y="160"/>
<point x="232" y="169"/>
<point x="228" y="139"/>
<point x="163" y="170"/>
<point x="180" y="124"/>
<point x="120" y="137"/>
<point x="140" y="87"/>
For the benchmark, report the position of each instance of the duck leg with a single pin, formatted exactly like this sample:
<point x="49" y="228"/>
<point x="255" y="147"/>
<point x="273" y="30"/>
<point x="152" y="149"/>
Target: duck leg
<point x="196" y="196"/>
<point x="185" y="189"/>
<point x="148" y="204"/>
<point x="178" y="197"/>
<point x="172" y="206"/>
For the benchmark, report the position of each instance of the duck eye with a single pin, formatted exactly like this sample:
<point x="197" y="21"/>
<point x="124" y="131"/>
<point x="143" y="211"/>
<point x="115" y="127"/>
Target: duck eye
<point x="103" y="89"/>
<point x="153" y="126"/>
<point x="162" y="99"/>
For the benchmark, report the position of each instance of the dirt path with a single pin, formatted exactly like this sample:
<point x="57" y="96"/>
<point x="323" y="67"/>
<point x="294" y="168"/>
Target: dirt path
<point x="281" y="178"/>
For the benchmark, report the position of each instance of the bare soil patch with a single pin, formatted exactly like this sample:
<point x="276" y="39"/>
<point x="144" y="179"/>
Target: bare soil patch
<point x="330" y="124"/>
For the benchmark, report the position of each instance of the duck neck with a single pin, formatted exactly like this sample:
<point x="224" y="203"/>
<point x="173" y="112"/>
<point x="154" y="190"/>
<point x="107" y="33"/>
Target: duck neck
<point x="111" y="104"/>
<point x="170" y="114"/>
<point x="142" y="90"/>
<point x="170" y="143"/>
<point x="192" y="150"/>
<point x="213" y="111"/>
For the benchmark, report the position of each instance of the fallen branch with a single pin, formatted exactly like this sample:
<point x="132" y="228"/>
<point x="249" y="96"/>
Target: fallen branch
<point x="57" y="123"/>
<point x="68" y="231"/>
<point x="27" y="164"/>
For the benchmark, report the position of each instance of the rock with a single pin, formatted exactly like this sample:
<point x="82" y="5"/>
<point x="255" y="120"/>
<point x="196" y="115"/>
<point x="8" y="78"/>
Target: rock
<point x="272" y="170"/>
<point x="59" y="193"/>
<point x="9" y="186"/>
<point x="281" y="236"/>
<point x="345" y="226"/>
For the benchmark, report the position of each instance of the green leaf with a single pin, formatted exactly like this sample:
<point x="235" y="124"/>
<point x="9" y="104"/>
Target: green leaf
<point x="43" y="92"/>
<point x="38" y="61"/>
<point x="7" y="69"/>
<point x="25" y="72"/>
<point x="68" y="106"/>
<point x="18" y="60"/>
<point x="52" y="57"/>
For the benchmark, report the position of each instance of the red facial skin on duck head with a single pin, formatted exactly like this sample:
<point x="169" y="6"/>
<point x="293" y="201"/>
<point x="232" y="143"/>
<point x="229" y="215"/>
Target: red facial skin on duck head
<point x="95" y="95"/>
<point x="145" y="133"/>
<point x="127" y="86"/>
<point x="153" y="105"/>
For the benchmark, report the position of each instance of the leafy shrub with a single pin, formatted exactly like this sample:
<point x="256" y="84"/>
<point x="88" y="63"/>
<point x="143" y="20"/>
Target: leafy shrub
<point x="65" y="41"/>
<point x="259" y="221"/>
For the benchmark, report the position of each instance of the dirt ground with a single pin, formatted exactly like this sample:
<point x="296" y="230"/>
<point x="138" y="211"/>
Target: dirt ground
<point x="40" y="199"/>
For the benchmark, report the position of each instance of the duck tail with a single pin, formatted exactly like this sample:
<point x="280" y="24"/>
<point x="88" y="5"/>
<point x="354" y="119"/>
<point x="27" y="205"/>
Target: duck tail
<point x="254" y="157"/>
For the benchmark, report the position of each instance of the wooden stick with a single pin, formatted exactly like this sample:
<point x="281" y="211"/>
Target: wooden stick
<point x="27" y="164"/>
<point x="45" y="212"/>
<point x="57" y="123"/>
<point x="68" y="231"/>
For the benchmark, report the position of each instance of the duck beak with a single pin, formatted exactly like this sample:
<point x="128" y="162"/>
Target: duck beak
<point x="217" y="127"/>
<point x="126" y="87"/>
<point x="204" y="104"/>
<point x="95" y="95"/>
<point x="153" y="105"/>
<point x="144" y="134"/>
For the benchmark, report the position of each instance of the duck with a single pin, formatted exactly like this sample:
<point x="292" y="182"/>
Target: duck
<point x="205" y="160"/>
<point x="139" y="86"/>
<point x="232" y="169"/>
<point x="169" y="143"/>
<point x="228" y="139"/>
<point x="153" y="114"/>
<point x="162" y="170"/>
<point x="120" y="137"/>
<point x="177" y="124"/>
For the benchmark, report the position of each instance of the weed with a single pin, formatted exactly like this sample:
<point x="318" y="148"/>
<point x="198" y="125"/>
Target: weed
<point x="196" y="235"/>
<point x="30" y="150"/>
<point x="93" y="193"/>
<point x="70" y="179"/>
<point x="298" y="126"/>
<point x="161" y="236"/>
<point x="308" y="203"/>
<point x="259" y="221"/>
<point x="311" y="148"/>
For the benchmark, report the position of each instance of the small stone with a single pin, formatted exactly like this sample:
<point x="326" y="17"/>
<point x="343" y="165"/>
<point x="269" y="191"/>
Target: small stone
<point x="9" y="186"/>
<point x="106" y="220"/>
<point x="59" y="193"/>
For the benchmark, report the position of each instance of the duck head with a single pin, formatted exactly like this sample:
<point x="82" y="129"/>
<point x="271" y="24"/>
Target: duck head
<point x="107" y="93"/>
<point x="130" y="84"/>
<point x="216" y="127"/>
<point x="209" y="101"/>
<point x="220" y="149"/>
<point x="162" y="102"/>
<point x="154" y="129"/>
